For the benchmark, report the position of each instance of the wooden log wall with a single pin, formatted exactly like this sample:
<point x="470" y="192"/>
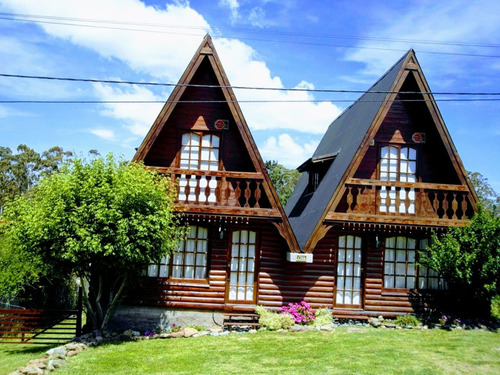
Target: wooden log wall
<point x="211" y="295"/>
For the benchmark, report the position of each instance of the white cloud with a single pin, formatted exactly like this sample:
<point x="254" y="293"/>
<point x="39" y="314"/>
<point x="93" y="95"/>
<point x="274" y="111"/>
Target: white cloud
<point x="287" y="151"/>
<point x="137" y="118"/>
<point x="292" y="110"/>
<point x="460" y="21"/>
<point x="165" y="56"/>
<point x="104" y="134"/>
<point x="233" y="6"/>
<point x="164" y="52"/>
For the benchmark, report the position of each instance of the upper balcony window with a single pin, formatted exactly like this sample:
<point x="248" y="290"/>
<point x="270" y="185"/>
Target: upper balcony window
<point x="200" y="151"/>
<point x="397" y="164"/>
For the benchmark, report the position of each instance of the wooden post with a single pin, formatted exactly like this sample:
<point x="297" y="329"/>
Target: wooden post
<point x="79" y="308"/>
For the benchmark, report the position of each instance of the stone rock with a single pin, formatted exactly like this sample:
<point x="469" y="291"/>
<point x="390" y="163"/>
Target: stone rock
<point x="60" y="350"/>
<point x="164" y="335"/>
<point x="225" y="333"/>
<point x="216" y="329"/>
<point x="389" y="325"/>
<point x="72" y="353"/>
<point x="296" y="328"/>
<point x="375" y="322"/>
<point x="56" y="363"/>
<point x="326" y="328"/>
<point x="179" y="333"/>
<point x="190" y="332"/>
<point x="252" y="331"/>
<point x="202" y="333"/>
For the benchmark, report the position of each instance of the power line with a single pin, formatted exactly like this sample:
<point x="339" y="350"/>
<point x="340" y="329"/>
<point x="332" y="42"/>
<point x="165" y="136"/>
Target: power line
<point x="342" y="91"/>
<point x="238" y="101"/>
<point x="40" y="19"/>
<point x="25" y="17"/>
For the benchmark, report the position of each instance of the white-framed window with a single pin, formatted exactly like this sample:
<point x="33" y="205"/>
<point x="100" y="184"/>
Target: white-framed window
<point x="242" y="265"/>
<point x="401" y="269"/>
<point x="188" y="261"/>
<point x="397" y="164"/>
<point x="199" y="151"/>
<point x="349" y="264"/>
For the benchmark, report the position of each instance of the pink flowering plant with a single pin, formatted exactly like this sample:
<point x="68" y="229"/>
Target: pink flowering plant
<point x="300" y="312"/>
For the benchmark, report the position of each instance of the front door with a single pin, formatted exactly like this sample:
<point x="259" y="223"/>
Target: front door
<point x="242" y="265"/>
<point x="349" y="272"/>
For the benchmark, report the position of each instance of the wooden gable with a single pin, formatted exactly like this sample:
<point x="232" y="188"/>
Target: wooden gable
<point x="398" y="110"/>
<point x="237" y="184"/>
<point x="438" y="192"/>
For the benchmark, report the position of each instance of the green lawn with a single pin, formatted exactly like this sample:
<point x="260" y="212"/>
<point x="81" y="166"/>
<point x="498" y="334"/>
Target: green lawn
<point x="343" y="351"/>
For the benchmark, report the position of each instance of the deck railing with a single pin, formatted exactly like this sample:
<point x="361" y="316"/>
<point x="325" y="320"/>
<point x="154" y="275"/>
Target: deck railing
<point x="219" y="188"/>
<point x="420" y="200"/>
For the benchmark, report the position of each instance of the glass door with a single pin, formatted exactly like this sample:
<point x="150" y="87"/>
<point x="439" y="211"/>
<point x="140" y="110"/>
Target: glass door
<point x="242" y="263"/>
<point x="349" y="272"/>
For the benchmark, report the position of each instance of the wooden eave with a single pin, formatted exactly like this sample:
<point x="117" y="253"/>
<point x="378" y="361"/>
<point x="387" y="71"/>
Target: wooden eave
<point x="409" y="66"/>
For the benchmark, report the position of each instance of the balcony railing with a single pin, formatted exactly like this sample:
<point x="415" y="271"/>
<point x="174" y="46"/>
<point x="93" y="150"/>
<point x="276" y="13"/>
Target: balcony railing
<point x="219" y="188"/>
<point x="401" y="199"/>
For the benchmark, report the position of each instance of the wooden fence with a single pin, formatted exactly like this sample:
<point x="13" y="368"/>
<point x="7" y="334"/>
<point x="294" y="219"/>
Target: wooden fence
<point x="20" y="326"/>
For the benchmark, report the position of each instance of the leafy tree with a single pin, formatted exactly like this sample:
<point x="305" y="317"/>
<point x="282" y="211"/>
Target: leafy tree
<point x="21" y="171"/>
<point x="469" y="260"/>
<point x="488" y="197"/>
<point x="283" y="179"/>
<point x="101" y="221"/>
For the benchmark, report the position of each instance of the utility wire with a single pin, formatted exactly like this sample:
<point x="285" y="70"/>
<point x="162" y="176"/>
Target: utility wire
<point x="343" y="91"/>
<point x="25" y="17"/>
<point x="238" y="101"/>
<point x="20" y="19"/>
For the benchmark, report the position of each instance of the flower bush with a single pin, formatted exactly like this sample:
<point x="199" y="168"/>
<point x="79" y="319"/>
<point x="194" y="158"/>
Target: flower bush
<point x="323" y="317"/>
<point x="407" y="321"/>
<point x="273" y="321"/>
<point x="300" y="312"/>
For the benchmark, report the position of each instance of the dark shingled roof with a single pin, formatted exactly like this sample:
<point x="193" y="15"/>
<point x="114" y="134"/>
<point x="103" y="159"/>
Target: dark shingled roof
<point x="342" y="139"/>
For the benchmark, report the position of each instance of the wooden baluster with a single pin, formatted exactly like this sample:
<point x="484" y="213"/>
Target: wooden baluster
<point x="257" y="195"/>
<point x="388" y="189"/>
<point x="248" y="194"/>
<point x="349" y="199"/>
<point x="398" y="198"/>
<point x="454" y="206"/>
<point x="237" y="192"/>
<point x="218" y="192"/>
<point x="207" y="188"/>
<point x="445" y="205"/>
<point x="197" y="189"/>
<point x="227" y="191"/>
<point x="435" y="203"/>
<point x="464" y="206"/>
<point x="408" y="201"/>
<point x="187" y="188"/>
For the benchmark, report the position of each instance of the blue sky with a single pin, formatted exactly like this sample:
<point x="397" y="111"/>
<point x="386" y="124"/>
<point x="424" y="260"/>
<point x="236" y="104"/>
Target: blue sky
<point x="264" y="43"/>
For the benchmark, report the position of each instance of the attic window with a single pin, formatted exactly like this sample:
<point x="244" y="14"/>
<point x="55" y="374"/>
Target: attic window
<point x="317" y="168"/>
<point x="200" y="151"/>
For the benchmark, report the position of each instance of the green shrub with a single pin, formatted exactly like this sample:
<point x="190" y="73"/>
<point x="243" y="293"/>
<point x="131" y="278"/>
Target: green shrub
<point x="495" y="306"/>
<point x="323" y="317"/>
<point x="407" y="321"/>
<point x="273" y="321"/>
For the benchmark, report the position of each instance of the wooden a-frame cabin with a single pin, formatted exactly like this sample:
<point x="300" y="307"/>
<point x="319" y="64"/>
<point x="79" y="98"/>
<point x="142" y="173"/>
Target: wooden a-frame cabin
<point x="383" y="178"/>
<point x="238" y="235"/>
<point x="385" y="175"/>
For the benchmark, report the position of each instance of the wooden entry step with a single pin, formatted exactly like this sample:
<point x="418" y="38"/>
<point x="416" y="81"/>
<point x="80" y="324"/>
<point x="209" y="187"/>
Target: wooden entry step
<point x="241" y="320"/>
<point x="350" y="314"/>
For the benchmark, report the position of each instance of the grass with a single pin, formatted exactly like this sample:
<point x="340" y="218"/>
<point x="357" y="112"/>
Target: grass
<point x="12" y="356"/>
<point x="344" y="351"/>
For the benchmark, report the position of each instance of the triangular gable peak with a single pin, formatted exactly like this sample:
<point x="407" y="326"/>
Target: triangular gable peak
<point x="401" y="168"/>
<point x="201" y="139"/>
